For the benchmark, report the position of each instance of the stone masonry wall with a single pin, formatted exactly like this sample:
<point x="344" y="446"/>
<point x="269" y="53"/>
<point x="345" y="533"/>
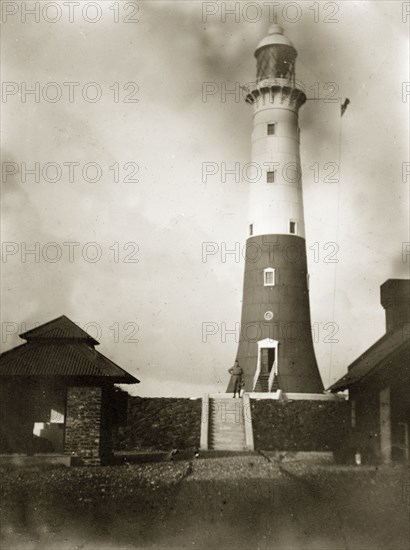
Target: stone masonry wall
<point x="300" y="425"/>
<point x="83" y="423"/>
<point x="164" y="423"/>
<point x="160" y="423"/>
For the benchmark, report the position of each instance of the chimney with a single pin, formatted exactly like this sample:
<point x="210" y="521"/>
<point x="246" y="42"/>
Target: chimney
<point x="395" y="298"/>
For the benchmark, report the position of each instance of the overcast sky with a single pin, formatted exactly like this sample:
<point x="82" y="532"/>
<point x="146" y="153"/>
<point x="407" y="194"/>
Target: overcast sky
<point x="164" y="299"/>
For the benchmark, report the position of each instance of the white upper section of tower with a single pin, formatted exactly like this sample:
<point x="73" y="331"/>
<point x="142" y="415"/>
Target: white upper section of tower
<point x="275" y="191"/>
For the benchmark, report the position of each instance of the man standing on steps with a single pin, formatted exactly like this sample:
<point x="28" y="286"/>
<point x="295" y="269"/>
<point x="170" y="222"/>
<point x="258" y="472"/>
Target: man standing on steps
<point x="237" y="374"/>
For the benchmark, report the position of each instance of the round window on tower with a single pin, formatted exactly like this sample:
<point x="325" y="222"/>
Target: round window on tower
<point x="268" y="316"/>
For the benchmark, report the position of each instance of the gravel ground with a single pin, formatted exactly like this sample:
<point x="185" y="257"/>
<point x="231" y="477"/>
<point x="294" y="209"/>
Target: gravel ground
<point x="221" y="502"/>
<point x="236" y="468"/>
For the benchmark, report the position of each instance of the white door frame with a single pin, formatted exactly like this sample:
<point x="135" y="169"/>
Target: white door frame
<point x="266" y="343"/>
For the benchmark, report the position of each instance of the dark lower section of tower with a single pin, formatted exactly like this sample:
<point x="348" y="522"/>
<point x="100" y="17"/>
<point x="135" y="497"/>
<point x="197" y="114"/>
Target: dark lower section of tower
<point x="276" y="347"/>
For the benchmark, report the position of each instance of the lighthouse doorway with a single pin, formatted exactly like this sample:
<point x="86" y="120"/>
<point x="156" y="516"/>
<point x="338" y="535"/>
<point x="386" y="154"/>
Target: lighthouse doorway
<point x="267" y="366"/>
<point x="267" y="360"/>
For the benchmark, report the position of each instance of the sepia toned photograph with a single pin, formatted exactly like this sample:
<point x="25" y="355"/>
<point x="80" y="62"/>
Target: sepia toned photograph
<point x="205" y="275"/>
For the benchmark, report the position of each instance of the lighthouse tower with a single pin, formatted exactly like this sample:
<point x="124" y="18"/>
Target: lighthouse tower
<point x="275" y="347"/>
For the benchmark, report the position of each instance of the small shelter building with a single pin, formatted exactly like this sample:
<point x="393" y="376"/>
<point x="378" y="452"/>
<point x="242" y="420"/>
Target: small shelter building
<point x="378" y="383"/>
<point x="57" y="396"/>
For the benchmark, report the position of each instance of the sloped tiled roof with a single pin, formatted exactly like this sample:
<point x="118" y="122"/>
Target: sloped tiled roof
<point x="61" y="328"/>
<point x="371" y="359"/>
<point x="55" y="355"/>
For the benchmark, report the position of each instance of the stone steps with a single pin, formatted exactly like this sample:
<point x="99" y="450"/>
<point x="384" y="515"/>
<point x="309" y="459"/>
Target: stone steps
<point x="262" y="384"/>
<point x="226" y="424"/>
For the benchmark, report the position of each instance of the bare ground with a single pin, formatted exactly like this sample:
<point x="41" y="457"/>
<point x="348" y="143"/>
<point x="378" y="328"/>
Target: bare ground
<point x="248" y="501"/>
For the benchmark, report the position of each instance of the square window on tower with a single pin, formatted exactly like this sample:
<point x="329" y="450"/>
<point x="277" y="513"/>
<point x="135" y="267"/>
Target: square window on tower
<point x="269" y="276"/>
<point x="271" y="129"/>
<point x="292" y="227"/>
<point x="270" y="177"/>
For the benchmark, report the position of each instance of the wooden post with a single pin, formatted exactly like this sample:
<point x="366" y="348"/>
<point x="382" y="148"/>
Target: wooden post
<point x="385" y="426"/>
<point x="247" y="417"/>
<point x="205" y="423"/>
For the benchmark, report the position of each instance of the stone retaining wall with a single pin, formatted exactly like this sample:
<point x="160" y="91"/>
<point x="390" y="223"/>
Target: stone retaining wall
<point x="299" y="425"/>
<point x="160" y="423"/>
